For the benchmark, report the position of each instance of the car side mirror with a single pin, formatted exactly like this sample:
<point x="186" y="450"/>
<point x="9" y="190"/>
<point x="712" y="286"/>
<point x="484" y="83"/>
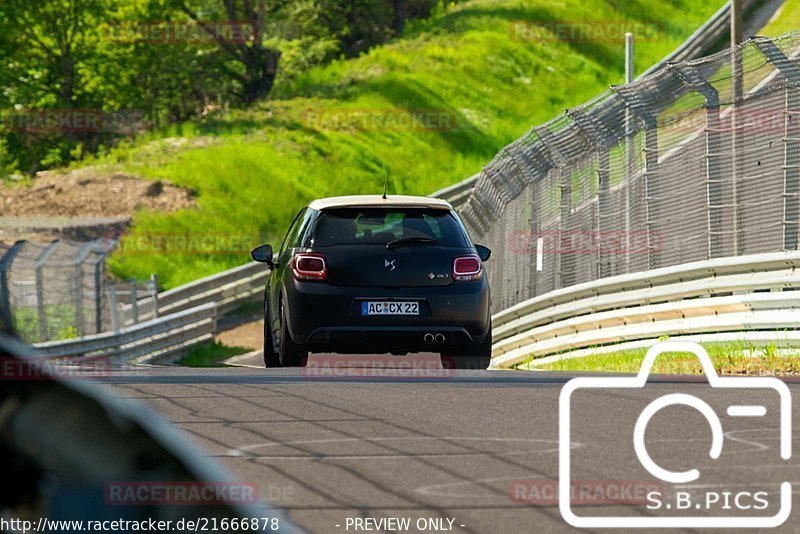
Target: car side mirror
<point x="263" y="254"/>
<point x="484" y="253"/>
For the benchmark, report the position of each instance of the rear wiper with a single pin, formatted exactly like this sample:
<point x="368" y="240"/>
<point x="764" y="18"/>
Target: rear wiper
<point x="410" y="240"/>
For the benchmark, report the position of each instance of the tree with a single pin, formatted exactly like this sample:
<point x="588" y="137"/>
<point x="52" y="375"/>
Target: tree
<point x="399" y="9"/>
<point x="46" y="42"/>
<point x="258" y="63"/>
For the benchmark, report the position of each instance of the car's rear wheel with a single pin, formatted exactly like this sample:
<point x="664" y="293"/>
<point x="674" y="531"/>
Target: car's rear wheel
<point x="476" y="356"/>
<point x="291" y="354"/>
<point x="270" y="356"/>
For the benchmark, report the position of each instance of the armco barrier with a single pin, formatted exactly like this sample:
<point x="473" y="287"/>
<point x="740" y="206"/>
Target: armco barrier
<point x="156" y="338"/>
<point x="760" y="292"/>
<point x="227" y="289"/>
<point x="458" y="194"/>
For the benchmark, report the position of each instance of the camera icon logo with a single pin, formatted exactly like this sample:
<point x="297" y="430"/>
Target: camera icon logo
<point x="647" y="462"/>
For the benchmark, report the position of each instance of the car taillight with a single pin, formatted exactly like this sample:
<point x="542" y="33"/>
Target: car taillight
<point x="466" y="268"/>
<point x="309" y="266"/>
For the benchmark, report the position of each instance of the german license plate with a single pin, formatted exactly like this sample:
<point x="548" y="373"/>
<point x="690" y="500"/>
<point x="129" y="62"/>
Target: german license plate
<point x="389" y="308"/>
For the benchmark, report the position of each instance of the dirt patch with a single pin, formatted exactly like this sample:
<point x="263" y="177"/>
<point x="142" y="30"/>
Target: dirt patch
<point x="81" y="205"/>
<point x="83" y="193"/>
<point x="248" y="336"/>
<point x="43" y="229"/>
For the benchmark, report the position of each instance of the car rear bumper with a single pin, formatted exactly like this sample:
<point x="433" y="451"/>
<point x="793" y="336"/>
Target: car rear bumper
<point x="329" y="317"/>
<point x="372" y="339"/>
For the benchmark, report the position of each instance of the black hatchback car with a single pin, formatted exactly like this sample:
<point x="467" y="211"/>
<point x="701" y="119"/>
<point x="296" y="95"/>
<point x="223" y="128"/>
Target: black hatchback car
<point x="369" y="274"/>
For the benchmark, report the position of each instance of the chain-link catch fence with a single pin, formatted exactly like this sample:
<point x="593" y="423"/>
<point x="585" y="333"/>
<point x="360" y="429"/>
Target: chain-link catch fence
<point x="698" y="160"/>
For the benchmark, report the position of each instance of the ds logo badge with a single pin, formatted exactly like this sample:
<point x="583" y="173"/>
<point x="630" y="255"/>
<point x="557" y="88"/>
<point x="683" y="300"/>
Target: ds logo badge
<point x="749" y="387"/>
<point x="389" y="264"/>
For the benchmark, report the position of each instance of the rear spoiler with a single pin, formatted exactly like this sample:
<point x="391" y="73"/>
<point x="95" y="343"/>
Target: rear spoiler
<point x="444" y="207"/>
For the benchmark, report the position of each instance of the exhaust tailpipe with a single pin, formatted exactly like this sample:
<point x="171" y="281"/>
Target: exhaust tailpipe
<point x="439" y="338"/>
<point x="428" y="338"/>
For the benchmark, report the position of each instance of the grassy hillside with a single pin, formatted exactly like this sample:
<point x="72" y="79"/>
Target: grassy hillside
<point x="485" y="78"/>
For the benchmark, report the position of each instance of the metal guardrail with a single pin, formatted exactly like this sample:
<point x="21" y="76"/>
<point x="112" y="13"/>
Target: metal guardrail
<point x="457" y="194"/>
<point x="227" y="289"/>
<point x="156" y="338"/>
<point x="185" y="316"/>
<point x="719" y="295"/>
<point x="704" y="39"/>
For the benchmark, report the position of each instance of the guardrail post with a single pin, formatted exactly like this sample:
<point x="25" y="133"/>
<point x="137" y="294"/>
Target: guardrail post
<point x="154" y="294"/>
<point x="791" y="140"/>
<point x="7" y="319"/>
<point x="134" y="301"/>
<point x="40" y="309"/>
<point x="714" y="201"/>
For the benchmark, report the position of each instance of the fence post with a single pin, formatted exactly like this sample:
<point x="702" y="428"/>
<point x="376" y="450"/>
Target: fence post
<point x="112" y="304"/>
<point x="532" y="243"/>
<point x="37" y="266"/>
<point x="98" y="292"/>
<point x="6" y="317"/>
<point x="650" y="176"/>
<point x="563" y="268"/>
<point x="714" y="201"/>
<point x="154" y="294"/>
<point x="600" y="143"/>
<point x="83" y="253"/>
<point x="651" y="191"/>
<point x="736" y="172"/>
<point x="630" y="149"/>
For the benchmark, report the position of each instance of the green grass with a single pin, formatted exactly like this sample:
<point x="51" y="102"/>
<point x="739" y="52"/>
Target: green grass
<point x="728" y="358"/>
<point x="210" y="355"/>
<point x="252" y="170"/>
<point x="59" y="322"/>
<point x="787" y="19"/>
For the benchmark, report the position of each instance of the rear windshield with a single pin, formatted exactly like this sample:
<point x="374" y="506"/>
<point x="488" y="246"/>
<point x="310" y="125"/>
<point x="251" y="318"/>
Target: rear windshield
<point x="379" y="226"/>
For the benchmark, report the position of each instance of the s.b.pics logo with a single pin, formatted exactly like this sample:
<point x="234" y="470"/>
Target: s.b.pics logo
<point x="717" y="449"/>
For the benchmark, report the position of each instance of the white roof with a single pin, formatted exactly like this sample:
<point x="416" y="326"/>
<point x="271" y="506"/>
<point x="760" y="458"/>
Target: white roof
<point x="378" y="201"/>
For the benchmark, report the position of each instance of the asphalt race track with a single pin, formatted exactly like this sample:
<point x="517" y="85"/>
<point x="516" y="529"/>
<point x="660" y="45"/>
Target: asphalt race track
<point x="477" y="450"/>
